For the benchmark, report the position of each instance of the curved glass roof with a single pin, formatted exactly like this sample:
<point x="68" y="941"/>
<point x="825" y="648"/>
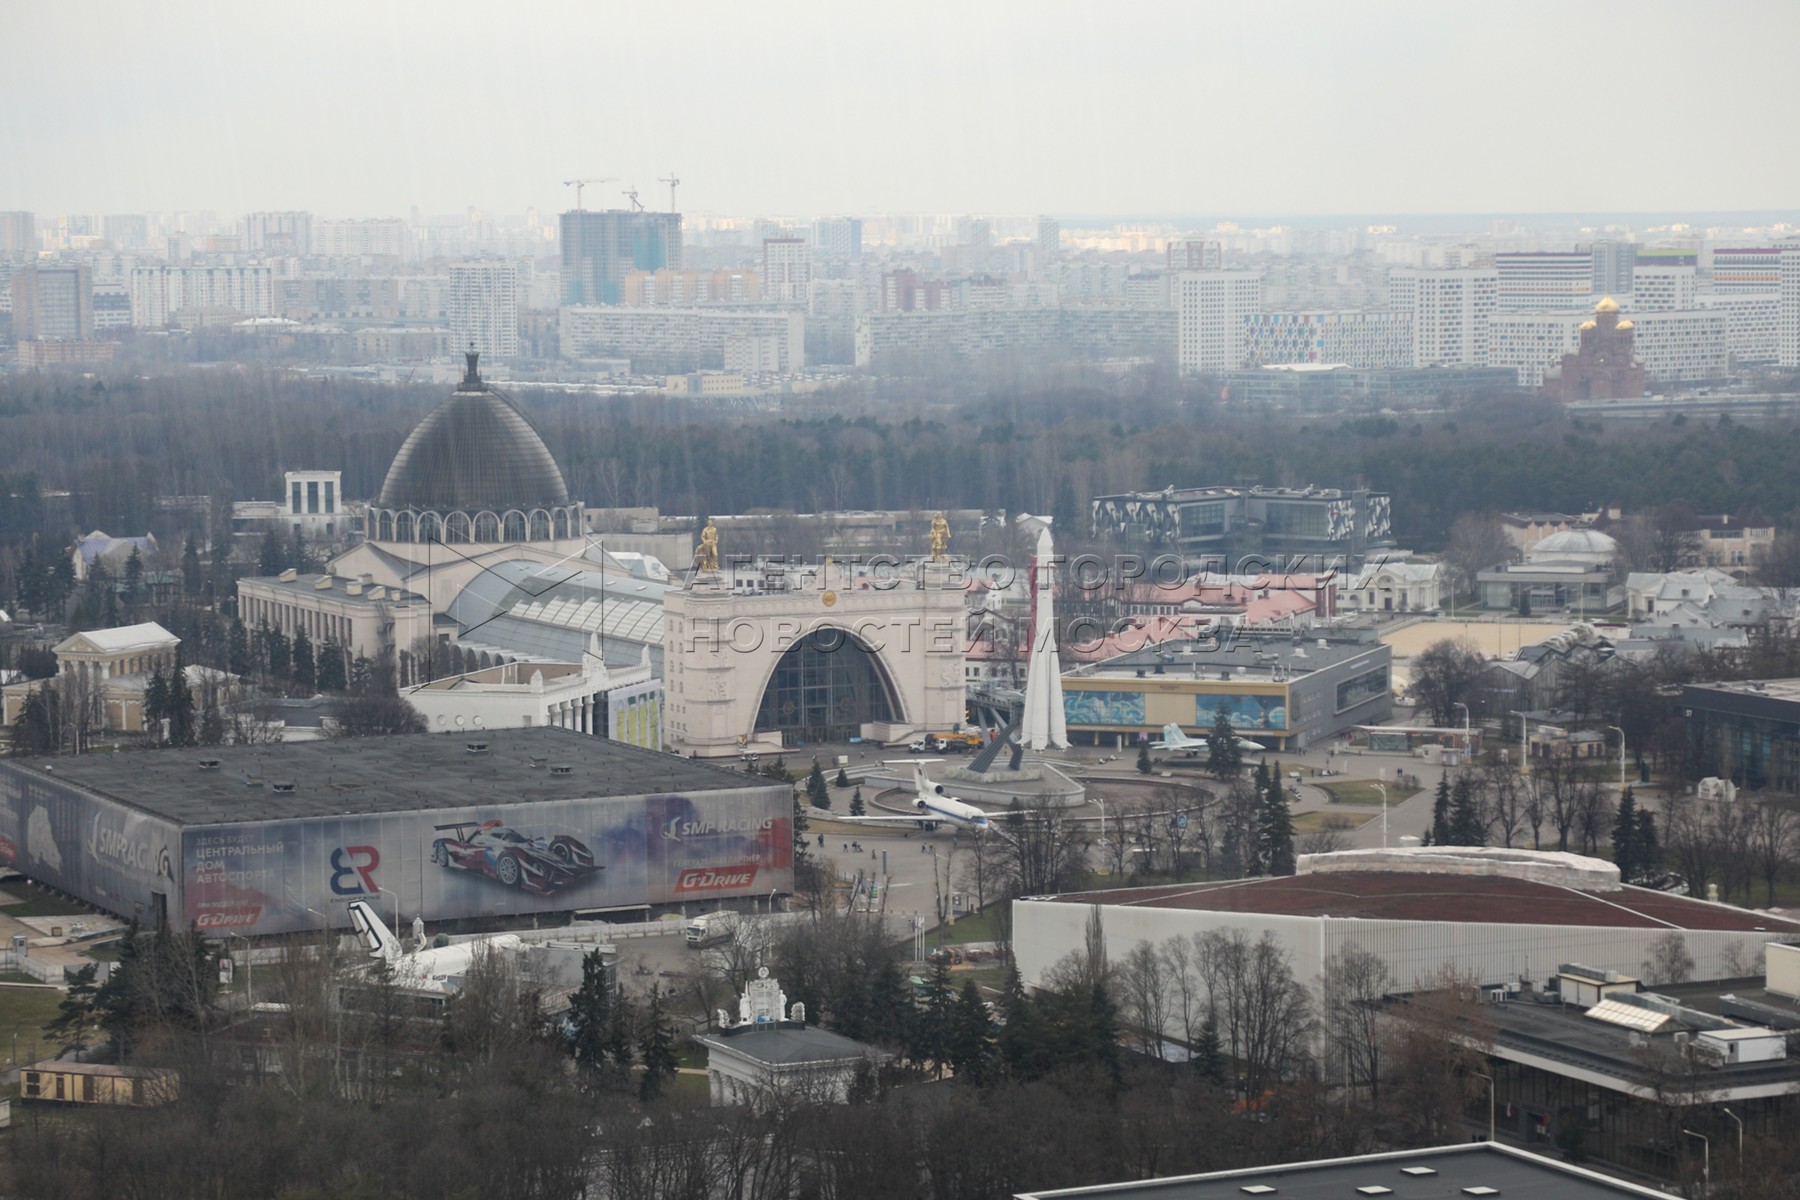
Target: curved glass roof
<point x="549" y="611"/>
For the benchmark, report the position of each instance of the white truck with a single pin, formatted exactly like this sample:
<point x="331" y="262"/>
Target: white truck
<point x="709" y="929"/>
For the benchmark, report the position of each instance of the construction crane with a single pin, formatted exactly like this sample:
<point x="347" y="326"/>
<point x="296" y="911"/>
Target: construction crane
<point x="631" y="194"/>
<point x="578" y="184"/>
<point x="673" y="184"/>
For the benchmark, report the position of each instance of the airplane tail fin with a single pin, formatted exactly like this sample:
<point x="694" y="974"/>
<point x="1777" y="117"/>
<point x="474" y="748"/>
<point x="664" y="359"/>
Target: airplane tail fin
<point x="376" y="938"/>
<point x="1172" y="734"/>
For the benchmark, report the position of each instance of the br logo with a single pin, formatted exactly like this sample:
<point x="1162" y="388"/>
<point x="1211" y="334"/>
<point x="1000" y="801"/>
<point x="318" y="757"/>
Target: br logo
<point x="353" y="870"/>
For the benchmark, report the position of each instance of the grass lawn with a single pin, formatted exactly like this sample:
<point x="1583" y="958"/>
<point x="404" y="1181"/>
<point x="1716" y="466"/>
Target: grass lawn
<point x="1314" y="822"/>
<point x="976" y="928"/>
<point x="1357" y="791"/>
<point x="24" y="1011"/>
<point x="690" y="1087"/>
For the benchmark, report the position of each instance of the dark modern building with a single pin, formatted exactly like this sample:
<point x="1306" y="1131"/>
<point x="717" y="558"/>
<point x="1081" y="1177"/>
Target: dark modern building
<point x="507" y="823"/>
<point x="600" y="248"/>
<point x="1746" y="732"/>
<point x="1272" y="528"/>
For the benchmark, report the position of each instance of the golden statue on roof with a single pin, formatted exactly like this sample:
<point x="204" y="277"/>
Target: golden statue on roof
<point x="940" y="537"/>
<point x="706" y="557"/>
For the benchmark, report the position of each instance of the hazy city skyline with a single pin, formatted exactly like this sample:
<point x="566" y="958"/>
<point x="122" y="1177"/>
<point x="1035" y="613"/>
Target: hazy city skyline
<point x="1009" y="107"/>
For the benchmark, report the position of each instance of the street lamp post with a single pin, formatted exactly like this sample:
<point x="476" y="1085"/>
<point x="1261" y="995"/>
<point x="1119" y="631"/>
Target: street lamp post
<point x="1706" y="1159"/>
<point x="1490" y="1083"/>
<point x="1383" y="790"/>
<point x="1621" y="734"/>
<point x="1466" y="732"/>
<point x="1740" y="1128"/>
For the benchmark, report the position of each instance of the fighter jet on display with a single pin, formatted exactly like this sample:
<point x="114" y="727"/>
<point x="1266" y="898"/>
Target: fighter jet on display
<point x="935" y="805"/>
<point x="1174" y="739"/>
<point x="423" y="970"/>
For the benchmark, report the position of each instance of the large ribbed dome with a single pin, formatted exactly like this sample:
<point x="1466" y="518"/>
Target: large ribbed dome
<point x="474" y="451"/>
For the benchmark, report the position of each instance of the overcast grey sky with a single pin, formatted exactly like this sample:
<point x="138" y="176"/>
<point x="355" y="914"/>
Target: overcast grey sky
<point x="779" y="106"/>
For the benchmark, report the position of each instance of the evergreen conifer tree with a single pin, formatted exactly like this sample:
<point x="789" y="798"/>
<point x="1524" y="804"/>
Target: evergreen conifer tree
<point x="971" y="1038"/>
<point x="1625" y="838"/>
<point x="590" y="1015"/>
<point x="816" y="791"/>
<point x="1440" y="813"/>
<point x="1144" y="764"/>
<point x="305" y="669"/>
<point x="657" y="1050"/>
<point x="1465" y="819"/>
<point x="1224" y="757"/>
<point x="1275" y="832"/>
<point x="857" y="808"/>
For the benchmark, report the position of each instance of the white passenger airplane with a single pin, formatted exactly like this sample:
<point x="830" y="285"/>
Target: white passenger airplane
<point x="1174" y="739"/>
<point x="935" y="805"/>
<point x="421" y="969"/>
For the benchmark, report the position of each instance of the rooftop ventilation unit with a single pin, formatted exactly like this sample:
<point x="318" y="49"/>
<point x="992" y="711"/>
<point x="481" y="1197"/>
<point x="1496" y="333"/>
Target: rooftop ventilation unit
<point x="561" y="769"/>
<point x="209" y="764"/>
<point x="281" y="785"/>
<point x="476" y="747"/>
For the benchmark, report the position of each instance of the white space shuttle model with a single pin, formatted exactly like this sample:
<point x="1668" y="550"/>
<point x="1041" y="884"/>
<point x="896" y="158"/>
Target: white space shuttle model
<point x="438" y="970"/>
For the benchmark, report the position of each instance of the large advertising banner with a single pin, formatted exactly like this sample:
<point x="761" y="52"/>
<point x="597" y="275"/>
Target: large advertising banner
<point x="548" y="856"/>
<point x="107" y="854"/>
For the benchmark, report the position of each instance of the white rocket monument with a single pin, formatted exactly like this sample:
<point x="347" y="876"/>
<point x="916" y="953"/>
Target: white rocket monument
<point x="1043" y="723"/>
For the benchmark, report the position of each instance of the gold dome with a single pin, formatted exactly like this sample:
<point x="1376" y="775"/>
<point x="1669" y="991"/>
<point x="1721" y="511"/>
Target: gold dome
<point x="1587" y="325"/>
<point x="1607" y="305"/>
<point x="1624" y="326"/>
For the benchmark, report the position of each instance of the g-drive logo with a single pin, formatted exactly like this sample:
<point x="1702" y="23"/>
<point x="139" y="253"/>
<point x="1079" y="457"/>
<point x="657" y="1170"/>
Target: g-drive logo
<point x="684" y="827"/>
<point x="715" y="879"/>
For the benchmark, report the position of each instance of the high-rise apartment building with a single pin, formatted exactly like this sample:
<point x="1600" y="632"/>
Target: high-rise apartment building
<point x="1211" y="307"/>
<point x="484" y="307"/>
<point x="1049" y="237"/>
<point x="1545" y="280"/>
<point x="786" y="271"/>
<point x="1788" y="328"/>
<point x="127" y="231"/>
<point x="278" y="233"/>
<point x="52" y="302"/>
<point x="1746" y="268"/>
<point x="158" y="293"/>
<point x="600" y="248"/>
<point x="1450" y="311"/>
<point x="1196" y="256"/>
<point x="18" y="235"/>
<point x="1664" y="289"/>
<point x="838" y="237"/>
<point x="387" y="236"/>
<point x="1613" y="266"/>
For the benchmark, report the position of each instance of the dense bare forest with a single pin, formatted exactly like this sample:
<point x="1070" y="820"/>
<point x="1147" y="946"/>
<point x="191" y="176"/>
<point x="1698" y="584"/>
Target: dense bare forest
<point x="114" y="445"/>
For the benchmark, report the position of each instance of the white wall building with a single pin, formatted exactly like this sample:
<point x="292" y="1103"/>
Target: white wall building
<point x="1682" y="347"/>
<point x="363" y="617"/>
<point x="1674" y="347"/>
<point x="1752" y="323"/>
<point x="1497" y="914"/>
<point x="1541" y="280"/>
<point x="1211" y="308"/>
<point x="484" y="307"/>
<point x="1449" y="312"/>
<point x="278" y="233"/>
<point x="158" y="293"/>
<point x="386" y="236"/>
<point x="616" y="331"/>
<point x="1532" y="343"/>
<point x="1789" y="332"/>
<point x="1664" y="289"/>
<point x="621" y="703"/>
<point x="786" y="271"/>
